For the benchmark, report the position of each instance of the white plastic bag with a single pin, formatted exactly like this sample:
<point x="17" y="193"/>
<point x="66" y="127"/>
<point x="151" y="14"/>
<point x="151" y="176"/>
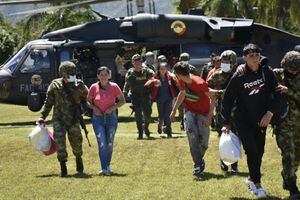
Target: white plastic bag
<point x="40" y="139"/>
<point x="230" y="148"/>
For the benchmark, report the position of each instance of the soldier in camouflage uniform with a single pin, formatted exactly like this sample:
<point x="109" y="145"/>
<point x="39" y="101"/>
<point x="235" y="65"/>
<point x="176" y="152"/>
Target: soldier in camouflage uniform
<point x="287" y="131"/>
<point x="218" y="81"/>
<point x="65" y="94"/>
<point x="208" y="66"/>
<point x="185" y="58"/>
<point x="135" y="80"/>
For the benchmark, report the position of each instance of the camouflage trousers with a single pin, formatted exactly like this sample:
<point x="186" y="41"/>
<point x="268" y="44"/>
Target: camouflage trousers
<point x="288" y="140"/>
<point x="74" y="136"/>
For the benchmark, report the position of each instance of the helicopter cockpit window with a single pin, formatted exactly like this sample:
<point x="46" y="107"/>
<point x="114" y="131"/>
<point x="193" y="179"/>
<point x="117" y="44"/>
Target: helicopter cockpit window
<point x="13" y="62"/>
<point x="197" y="50"/>
<point x="65" y="56"/>
<point x="37" y="62"/>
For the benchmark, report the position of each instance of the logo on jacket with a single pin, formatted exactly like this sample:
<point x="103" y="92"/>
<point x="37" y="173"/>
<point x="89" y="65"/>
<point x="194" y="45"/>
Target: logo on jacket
<point x="254" y="86"/>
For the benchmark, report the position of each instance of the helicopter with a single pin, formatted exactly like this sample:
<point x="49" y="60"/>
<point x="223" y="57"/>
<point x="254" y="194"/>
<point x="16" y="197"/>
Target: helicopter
<point x="24" y="78"/>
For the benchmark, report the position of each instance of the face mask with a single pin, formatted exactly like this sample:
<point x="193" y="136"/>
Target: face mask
<point x="225" y="67"/>
<point x="72" y="79"/>
<point x="185" y="62"/>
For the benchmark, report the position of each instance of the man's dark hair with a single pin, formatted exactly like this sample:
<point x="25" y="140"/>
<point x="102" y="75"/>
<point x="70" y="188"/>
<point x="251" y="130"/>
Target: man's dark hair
<point x="251" y="48"/>
<point x="182" y="68"/>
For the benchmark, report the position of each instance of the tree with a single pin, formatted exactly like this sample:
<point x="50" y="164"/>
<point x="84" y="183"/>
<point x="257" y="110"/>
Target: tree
<point x="8" y="40"/>
<point x="45" y="22"/>
<point x="184" y="5"/>
<point x="282" y="14"/>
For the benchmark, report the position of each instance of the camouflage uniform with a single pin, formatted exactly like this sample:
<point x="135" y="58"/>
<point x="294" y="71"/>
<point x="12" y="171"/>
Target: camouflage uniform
<point x="206" y="69"/>
<point x="65" y="115"/>
<point x="288" y="130"/>
<point x="140" y="97"/>
<point x="219" y="81"/>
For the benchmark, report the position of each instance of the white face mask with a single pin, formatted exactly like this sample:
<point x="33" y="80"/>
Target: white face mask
<point x="225" y="67"/>
<point x="185" y="62"/>
<point x="72" y="79"/>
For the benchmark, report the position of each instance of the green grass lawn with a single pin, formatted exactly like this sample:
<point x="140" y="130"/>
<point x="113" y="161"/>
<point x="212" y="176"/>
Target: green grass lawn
<point x="147" y="169"/>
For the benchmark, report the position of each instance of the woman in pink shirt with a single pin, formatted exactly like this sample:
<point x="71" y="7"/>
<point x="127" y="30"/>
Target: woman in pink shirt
<point x="102" y="99"/>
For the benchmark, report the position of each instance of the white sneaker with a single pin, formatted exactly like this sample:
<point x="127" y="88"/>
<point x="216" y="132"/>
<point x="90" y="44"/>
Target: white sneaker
<point x="261" y="193"/>
<point x="251" y="186"/>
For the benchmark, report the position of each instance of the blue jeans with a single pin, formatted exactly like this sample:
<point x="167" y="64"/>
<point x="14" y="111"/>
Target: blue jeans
<point x="105" y="127"/>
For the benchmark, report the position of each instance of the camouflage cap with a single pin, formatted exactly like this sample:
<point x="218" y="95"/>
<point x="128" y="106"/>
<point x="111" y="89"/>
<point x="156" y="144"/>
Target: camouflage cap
<point x="67" y="68"/>
<point x="184" y="57"/>
<point x="230" y="56"/>
<point x="291" y="60"/>
<point x="162" y="58"/>
<point x="136" y="57"/>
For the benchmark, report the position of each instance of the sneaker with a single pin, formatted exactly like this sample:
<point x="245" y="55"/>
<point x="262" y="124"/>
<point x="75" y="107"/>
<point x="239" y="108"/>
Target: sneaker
<point x="223" y="166"/>
<point x="104" y="172"/>
<point x="197" y="172"/>
<point x="159" y="131"/>
<point x="260" y="193"/>
<point x="147" y="133"/>
<point x="139" y="137"/>
<point x="199" y="169"/>
<point x="251" y="186"/>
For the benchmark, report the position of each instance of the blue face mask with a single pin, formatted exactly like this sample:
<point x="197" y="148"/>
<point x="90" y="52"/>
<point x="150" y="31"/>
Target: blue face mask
<point x="72" y="79"/>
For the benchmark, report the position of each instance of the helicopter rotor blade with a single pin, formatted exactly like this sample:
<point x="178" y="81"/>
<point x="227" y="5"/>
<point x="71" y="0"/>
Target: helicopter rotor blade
<point x="15" y="2"/>
<point x="52" y="8"/>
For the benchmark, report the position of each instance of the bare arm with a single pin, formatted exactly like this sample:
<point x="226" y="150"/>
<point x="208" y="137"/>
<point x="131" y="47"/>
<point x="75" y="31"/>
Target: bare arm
<point x="178" y="102"/>
<point x="121" y="101"/>
<point x="212" y="96"/>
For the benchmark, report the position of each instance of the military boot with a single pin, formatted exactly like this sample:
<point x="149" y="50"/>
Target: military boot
<point x="147" y="132"/>
<point x="290" y="184"/>
<point x="63" y="169"/>
<point x="140" y="132"/>
<point x="79" y="165"/>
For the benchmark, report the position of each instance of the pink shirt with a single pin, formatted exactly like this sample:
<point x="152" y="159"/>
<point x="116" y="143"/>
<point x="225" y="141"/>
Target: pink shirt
<point x="104" y="99"/>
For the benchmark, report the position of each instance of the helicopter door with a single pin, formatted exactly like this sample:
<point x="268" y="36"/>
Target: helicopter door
<point x="34" y="74"/>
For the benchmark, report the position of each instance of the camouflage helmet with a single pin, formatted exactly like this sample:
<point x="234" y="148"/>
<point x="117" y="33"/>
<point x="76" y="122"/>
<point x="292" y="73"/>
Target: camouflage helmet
<point x="67" y="68"/>
<point x="136" y="57"/>
<point x="184" y="57"/>
<point x="230" y="56"/>
<point x="291" y="60"/>
<point x="162" y="58"/>
<point x="149" y="54"/>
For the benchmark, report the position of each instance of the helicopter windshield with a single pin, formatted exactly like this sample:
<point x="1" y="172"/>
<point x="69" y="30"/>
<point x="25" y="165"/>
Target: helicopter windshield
<point x="13" y="62"/>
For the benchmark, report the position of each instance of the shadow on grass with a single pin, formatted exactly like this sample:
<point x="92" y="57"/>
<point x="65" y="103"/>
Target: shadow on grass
<point x="170" y="138"/>
<point x="208" y="175"/>
<point x="126" y="118"/>
<point x="241" y="174"/>
<point x="77" y="175"/>
<point x="113" y="174"/>
<point x="242" y="198"/>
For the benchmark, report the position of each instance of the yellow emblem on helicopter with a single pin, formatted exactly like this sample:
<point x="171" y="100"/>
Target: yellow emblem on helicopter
<point x="178" y="27"/>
